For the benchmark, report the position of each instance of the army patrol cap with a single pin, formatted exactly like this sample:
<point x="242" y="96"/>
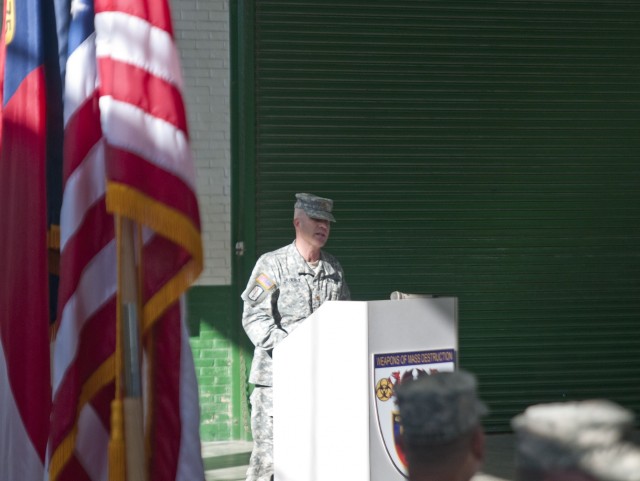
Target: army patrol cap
<point x="439" y="408"/>
<point x="557" y="435"/>
<point x="315" y="207"/>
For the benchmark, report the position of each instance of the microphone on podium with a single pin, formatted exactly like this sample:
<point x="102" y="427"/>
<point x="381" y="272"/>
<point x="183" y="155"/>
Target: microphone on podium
<point x="397" y="295"/>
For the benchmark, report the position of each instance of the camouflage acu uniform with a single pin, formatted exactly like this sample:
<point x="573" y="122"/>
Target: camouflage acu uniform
<point x="573" y="439"/>
<point x="282" y="292"/>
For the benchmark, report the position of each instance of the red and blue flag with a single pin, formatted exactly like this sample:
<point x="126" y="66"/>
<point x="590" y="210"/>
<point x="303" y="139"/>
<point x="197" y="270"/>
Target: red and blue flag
<point x="27" y="115"/>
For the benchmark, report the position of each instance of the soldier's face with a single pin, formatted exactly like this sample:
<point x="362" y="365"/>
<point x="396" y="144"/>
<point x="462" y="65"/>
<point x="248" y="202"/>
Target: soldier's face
<point x="315" y="232"/>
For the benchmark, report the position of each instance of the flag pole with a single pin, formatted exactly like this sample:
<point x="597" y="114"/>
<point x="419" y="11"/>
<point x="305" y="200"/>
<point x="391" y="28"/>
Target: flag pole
<point x="128" y="407"/>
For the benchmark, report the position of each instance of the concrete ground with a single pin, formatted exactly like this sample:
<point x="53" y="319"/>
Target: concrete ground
<point x="227" y="461"/>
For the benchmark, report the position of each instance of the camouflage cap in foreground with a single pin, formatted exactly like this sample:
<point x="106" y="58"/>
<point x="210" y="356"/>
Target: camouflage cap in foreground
<point x="315" y="207"/>
<point x="439" y="408"/>
<point x="557" y="435"/>
<point x="619" y="462"/>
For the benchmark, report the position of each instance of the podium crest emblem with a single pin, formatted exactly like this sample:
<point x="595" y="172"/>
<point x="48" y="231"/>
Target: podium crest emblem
<point x="389" y="371"/>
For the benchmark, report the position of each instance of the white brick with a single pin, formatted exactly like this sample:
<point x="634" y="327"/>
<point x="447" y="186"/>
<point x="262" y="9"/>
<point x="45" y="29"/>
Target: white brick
<point x="202" y="35"/>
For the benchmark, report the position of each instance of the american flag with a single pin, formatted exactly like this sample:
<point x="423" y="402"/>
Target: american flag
<point x="126" y="154"/>
<point x="24" y="310"/>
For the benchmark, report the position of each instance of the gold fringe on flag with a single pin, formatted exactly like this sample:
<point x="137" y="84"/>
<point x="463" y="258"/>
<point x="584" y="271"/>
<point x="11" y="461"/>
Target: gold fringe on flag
<point x="98" y="380"/>
<point x="130" y="205"/>
<point x="169" y="223"/>
<point x="166" y="221"/>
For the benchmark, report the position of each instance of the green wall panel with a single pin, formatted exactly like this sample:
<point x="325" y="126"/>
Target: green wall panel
<point x="218" y="362"/>
<point x="484" y="150"/>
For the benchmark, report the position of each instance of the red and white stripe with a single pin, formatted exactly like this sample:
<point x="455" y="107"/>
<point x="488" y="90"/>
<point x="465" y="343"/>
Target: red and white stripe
<point x="124" y="125"/>
<point x="85" y="339"/>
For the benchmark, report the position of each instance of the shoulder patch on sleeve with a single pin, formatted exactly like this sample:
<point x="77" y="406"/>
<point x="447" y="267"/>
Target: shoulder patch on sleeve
<point x="255" y="293"/>
<point x="260" y="288"/>
<point x="264" y="281"/>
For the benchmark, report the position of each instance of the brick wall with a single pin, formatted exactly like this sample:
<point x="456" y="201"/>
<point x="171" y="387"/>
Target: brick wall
<point x="212" y="332"/>
<point x="202" y="34"/>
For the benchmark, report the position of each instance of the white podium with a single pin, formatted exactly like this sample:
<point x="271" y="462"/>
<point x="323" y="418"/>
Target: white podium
<point x="335" y="416"/>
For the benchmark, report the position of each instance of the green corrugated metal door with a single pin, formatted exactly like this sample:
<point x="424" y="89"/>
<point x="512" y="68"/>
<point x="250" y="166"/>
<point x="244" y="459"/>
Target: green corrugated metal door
<point x="484" y="150"/>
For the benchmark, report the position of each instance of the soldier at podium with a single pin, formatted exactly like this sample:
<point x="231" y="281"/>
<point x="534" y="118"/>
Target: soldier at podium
<point x="286" y="286"/>
<point x="442" y="434"/>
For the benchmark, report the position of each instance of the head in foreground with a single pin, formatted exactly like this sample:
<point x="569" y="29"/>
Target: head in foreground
<point x="442" y="434"/>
